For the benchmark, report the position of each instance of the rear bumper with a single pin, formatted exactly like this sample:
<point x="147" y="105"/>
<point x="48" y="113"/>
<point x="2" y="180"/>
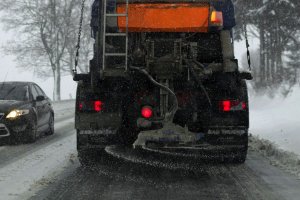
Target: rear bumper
<point x="95" y="139"/>
<point x="96" y="130"/>
<point x="97" y="121"/>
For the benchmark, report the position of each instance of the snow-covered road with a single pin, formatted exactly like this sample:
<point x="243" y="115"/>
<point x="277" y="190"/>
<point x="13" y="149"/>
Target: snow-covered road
<point x="49" y="169"/>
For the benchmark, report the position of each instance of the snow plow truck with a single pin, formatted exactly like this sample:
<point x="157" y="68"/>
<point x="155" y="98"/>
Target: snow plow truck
<point x="163" y="76"/>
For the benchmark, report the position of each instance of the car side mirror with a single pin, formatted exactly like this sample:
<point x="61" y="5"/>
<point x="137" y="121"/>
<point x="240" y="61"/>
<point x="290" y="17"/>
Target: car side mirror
<point x="40" y="98"/>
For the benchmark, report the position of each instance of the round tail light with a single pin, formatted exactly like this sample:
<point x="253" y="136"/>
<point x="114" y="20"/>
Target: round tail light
<point x="147" y="112"/>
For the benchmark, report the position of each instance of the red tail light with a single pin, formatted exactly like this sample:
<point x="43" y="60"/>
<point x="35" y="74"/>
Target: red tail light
<point x="90" y="106"/>
<point x="226" y="105"/>
<point x="80" y="106"/>
<point x="147" y="112"/>
<point x="232" y="105"/>
<point x="98" y="106"/>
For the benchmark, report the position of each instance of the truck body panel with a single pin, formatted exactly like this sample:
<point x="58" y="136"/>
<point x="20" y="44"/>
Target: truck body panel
<point x="177" y="17"/>
<point x="173" y="60"/>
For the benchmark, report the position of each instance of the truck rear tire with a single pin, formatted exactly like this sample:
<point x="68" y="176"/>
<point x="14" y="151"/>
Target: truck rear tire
<point x="83" y="158"/>
<point x="241" y="155"/>
<point x="238" y="147"/>
<point x="240" y="158"/>
<point x="88" y="156"/>
<point x="128" y="131"/>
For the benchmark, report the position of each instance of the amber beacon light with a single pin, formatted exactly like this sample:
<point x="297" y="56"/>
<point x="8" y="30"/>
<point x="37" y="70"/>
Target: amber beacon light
<point x="216" y="18"/>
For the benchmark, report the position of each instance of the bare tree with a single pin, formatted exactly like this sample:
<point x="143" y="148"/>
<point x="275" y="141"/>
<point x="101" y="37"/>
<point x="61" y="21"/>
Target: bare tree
<point x="45" y="36"/>
<point x="86" y="48"/>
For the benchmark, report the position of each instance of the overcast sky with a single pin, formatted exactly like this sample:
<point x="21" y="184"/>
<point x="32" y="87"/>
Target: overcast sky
<point x="9" y="72"/>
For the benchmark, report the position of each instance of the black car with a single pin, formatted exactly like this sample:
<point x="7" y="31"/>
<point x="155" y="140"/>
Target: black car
<point x="25" y="111"/>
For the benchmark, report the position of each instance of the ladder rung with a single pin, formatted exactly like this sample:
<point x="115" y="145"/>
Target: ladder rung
<point x="115" y="34"/>
<point x="106" y="52"/>
<point x="115" y="54"/>
<point x="116" y="15"/>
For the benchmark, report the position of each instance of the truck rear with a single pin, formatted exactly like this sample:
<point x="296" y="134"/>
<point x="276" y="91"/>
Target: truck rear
<point x="159" y="64"/>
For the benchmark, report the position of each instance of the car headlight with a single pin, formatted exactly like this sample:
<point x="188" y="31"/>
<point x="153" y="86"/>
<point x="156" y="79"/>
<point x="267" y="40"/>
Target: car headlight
<point x="16" y="113"/>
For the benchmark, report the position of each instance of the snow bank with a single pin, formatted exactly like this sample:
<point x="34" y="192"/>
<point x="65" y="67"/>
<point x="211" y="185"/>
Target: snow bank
<point x="285" y="160"/>
<point x="275" y="126"/>
<point x="277" y="120"/>
<point x="63" y="105"/>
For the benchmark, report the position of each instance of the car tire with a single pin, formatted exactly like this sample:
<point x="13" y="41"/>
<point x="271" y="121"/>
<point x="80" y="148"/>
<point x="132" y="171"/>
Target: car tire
<point x="31" y="132"/>
<point x="50" y="130"/>
<point x="87" y="156"/>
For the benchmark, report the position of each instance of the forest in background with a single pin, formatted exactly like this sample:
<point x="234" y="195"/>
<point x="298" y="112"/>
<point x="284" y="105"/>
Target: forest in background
<point x="276" y="25"/>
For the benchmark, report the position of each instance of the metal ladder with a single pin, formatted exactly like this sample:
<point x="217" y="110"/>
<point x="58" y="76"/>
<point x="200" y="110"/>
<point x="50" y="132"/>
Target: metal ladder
<point x="105" y="34"/>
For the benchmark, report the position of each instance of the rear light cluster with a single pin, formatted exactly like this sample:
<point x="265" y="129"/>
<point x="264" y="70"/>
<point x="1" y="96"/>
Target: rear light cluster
<point x="216" y="18"/>
<point x="232" y="105"/>
<point x="147" y="112"/>
<point x="96" y="106"/>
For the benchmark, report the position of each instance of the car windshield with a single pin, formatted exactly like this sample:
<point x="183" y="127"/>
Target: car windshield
<point x="13" y="92"/>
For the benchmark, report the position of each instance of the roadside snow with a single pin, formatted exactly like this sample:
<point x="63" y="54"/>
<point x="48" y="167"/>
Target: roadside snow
<point x="65" y="104"/>
<point x="277" y="120"/>
<point x="19" y="179"/>
<point x="63" y="109"/>
<point x="288" y="161"/>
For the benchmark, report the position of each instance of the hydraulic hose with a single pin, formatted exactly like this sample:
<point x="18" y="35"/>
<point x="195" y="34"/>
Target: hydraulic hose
<point x="170" y="114"/>
<point x="197" y="79"/>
